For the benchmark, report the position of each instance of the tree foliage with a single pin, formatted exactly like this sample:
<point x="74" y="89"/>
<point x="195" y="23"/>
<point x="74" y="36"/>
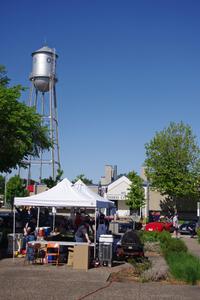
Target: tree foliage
<point x="173" y="162"/>
<point x="21" y="132"/>
<point x="135" y="198"/>
<point x="83" y="178"/>
<point x="4" y="80"/>
<point x="50" y="182"/>
<point x="2" y="184"/>
<point x="16" y="187"/>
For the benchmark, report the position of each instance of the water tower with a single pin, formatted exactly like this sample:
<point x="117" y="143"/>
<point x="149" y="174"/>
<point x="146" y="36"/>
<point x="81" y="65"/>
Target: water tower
<point x="43" y="98"/>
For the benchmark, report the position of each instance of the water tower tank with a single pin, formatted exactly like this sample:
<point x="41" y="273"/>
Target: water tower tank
<point x="44" y="68"/>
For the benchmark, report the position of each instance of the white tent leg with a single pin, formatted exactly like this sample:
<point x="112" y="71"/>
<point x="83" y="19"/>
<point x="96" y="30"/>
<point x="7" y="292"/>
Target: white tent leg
<point x="38" y="218"/>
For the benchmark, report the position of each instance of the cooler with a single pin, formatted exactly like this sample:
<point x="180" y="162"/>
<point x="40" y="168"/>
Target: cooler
<point x="106" y="249"/>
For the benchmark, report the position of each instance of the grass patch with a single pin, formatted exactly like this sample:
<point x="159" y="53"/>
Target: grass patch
<point x="173" y="245"/>
<point x="184" y="266"/>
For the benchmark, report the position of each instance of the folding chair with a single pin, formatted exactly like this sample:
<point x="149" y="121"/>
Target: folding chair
<point x="53" y="253"/>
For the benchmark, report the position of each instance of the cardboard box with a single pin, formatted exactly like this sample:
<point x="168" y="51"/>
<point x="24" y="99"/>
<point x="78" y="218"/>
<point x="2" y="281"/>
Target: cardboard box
<point x="81" y="257"/>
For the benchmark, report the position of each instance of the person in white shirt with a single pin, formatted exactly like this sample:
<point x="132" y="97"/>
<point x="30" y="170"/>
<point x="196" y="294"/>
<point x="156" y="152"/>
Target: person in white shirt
<point x="175" y="224"/>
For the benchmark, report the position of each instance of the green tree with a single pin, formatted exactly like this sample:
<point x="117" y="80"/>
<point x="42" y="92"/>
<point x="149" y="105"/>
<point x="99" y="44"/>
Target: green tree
<point x="173" y="162"/>
<point x="50" y="182"/>
<point x="21" y="132"/>
<point x="135" y="198"/>
<point x="83" y="178"/>
<point x="2" y="184"/>
<point x="4" y="80"/>
<point x="16" y="187"/>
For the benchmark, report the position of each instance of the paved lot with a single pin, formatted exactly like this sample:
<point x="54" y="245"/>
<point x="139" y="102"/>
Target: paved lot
<point x="192" y="244"/>
<point x="24" y="282"/>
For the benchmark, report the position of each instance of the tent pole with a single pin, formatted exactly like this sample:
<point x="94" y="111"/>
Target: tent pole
<point x="13" y="232"/>
<point x="95" y="231"/>
<point x="54" y="217"/>
<point x="38" y="217"/>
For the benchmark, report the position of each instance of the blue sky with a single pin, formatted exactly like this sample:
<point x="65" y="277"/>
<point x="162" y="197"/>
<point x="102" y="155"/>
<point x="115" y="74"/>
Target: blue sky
<point x="125" y="68"/>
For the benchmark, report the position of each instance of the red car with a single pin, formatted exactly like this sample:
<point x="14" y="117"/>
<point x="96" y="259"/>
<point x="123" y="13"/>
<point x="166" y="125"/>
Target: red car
<point x="159" y="226"/>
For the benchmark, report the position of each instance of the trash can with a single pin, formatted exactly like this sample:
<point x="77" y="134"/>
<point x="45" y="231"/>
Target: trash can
<point x="106" y="249"/>
<point x="18" y="240"/>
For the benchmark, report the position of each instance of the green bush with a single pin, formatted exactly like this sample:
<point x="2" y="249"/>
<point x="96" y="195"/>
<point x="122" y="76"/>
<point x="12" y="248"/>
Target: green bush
<point x="149" y="236"/>
<point x="173" y="245"/>
<point x="184" y="266"/>
<point x="164" y="237"/>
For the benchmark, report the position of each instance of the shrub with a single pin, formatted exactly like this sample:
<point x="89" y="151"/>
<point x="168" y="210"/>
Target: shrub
<point x="173" y="245"/>
<point x="164" y="237"/>
<point x="184" y="266"/>
<point x="149" y="236"/>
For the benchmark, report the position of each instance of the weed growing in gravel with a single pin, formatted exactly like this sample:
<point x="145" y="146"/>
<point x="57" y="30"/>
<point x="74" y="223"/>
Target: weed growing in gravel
<point x="140" y="265"/>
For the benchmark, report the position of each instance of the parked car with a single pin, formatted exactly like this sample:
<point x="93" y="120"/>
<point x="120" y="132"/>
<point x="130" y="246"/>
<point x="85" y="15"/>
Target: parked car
<point x="186" y="227"/>
<point x="160" y="226"/>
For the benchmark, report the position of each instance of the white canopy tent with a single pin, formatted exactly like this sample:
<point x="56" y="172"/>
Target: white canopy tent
<point x="61" y="195"/>
<point x="101" y="202"/>
<point x="64" y="194"/>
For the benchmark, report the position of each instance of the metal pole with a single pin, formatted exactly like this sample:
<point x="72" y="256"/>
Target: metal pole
<point x="5" y="191"/>
<point x="38" y="217"/>
<point x="51" y="126"/>
<point x="29" y="174"/>
<point x="35" y="100"/>
<point x="41" y="161"/>
<point x="14" y="238"/>
<point x="147" y="201"/>
<point x="31" y="94"/>
<point x="56" y="125"/>
<point x="95" y="232"/>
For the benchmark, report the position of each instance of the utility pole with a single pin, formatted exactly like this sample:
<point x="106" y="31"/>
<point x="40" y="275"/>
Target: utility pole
<point x="5" y="190"/>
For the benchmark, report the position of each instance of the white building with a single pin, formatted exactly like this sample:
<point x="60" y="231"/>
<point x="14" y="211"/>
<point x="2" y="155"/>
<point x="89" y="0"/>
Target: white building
<point x="117" y="191"/>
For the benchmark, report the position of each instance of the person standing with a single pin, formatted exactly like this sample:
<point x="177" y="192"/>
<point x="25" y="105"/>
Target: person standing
<point x="81" y="234"/>
<point x="175" y="224"/>
<point x="102" y="228"/>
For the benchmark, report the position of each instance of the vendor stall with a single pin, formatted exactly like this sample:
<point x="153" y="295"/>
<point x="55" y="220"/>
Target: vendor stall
<point x="64" y="195"/>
